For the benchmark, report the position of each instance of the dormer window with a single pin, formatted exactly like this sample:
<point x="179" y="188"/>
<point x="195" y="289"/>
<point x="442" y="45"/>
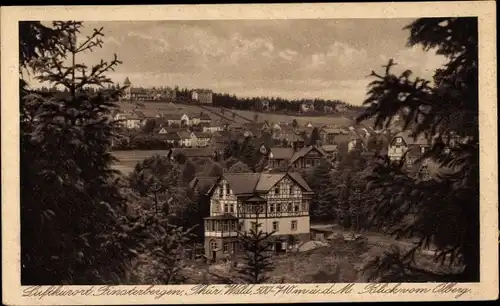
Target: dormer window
<point x="228" y="189"/>
<point x="277" y="190"/>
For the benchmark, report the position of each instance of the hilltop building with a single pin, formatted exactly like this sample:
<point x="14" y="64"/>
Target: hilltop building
<point x="202" y="96"/>
<point x="240" y="201"/>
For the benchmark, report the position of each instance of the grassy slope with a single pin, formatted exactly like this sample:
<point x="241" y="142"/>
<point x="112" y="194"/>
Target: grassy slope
<point x="153" y="108"/>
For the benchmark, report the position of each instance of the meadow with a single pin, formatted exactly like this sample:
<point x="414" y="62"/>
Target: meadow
<point x="128" y="159"/>
<point x="151" y="109"/>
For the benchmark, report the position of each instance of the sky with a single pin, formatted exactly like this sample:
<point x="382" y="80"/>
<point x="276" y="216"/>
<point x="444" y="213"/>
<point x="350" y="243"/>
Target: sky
<point x="293" y="59"/>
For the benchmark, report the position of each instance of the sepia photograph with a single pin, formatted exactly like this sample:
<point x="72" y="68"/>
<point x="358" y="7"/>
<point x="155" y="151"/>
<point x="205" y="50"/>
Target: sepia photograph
<point x="249" y="151"/>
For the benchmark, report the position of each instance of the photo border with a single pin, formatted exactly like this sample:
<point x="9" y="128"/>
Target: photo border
<point x="486" y="289"/>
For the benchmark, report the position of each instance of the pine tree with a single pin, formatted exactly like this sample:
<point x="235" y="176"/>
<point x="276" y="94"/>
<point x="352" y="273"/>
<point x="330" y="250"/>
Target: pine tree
<point x="315" y="137"/>
<point x="257" y="255"/>
<point x="445" y="210"/>
<point x="322" y="204"/>
<point x="71" y="205"/>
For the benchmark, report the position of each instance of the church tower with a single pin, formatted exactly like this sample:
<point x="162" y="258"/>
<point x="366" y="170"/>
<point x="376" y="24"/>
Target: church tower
<point x="128" y="92"/>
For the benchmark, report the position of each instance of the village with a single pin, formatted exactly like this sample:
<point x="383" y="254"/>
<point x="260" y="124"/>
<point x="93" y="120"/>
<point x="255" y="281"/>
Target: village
<point x="275" y="195"/>
<point x="288" y="166"/>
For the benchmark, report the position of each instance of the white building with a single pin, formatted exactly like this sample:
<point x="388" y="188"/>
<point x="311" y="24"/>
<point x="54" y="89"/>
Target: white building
<point x="279" y="202"/>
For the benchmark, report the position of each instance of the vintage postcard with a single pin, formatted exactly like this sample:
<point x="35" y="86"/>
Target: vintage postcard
<point x="249" y="153"/>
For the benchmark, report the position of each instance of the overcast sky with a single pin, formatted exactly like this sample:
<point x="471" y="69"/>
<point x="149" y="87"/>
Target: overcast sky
<point x="328" y="58"/>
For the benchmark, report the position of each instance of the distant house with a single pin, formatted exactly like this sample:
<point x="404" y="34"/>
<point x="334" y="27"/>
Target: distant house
<point x="331" y="150"/>
<point x="162" y="130"/>
<point x="264" y="104"/>
<point x="307" y="106"/>
<point x="129" y="120"/>
<point x="403" y="143"/>
<point x="307" y="157"/>
<point x="200" y="139"/>
<point x="172" y="119"/>
<point x="279" y="157"/>
<point x="185" y="139"/>
<point x="329" y="135"/>
<point x="213" y="128"/>
<point x="303" y="158"/>
<point x="185" y="119"/>
<point x="202" y="96"/>
<point x="341" y="108"/>
<point x="172" y="138"/>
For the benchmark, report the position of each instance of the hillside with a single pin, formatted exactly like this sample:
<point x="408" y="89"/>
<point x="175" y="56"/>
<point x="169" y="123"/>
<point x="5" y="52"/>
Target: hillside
<point x="240" y="116"/>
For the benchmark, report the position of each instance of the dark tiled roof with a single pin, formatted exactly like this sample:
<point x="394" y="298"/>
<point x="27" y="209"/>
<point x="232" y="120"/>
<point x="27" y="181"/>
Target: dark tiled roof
<point x="281" y="153"/>
<point x="242" y="183"/>
<point x="202" y="135"/>
<point x="300" y="180"/>
<point x="268" y="180"/>
<point x="304" y="151"/>
<point x="202" y="183"/>
<point x="184" y="134"/>
<point x="409" y="140"/>
<point x="205" y="117"/>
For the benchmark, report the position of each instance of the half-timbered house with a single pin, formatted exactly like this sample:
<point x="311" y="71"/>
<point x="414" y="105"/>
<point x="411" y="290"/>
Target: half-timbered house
<point x="279" y="202"/>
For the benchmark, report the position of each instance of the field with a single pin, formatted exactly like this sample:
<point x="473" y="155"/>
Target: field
<point x="327" y="119"/>
<point x="215" y="113"/>
<point x="128" y="159"/>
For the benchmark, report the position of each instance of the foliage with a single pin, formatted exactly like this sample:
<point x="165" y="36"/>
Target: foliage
<point x="189" y="172"/>
<point x="154" y="175"/>
<point x="315" y="137"/>
<point x="131" y="140"/>
<point x="320" y="180"/>
<point x="409" y="207"/>
<point x="149" y="127"/>
<point x="163" y="252"/>
<point x="71" y="205"/>
<point x="257" y="247"/>
<point x="276" y="104"/>
<point x="239" y="167"/>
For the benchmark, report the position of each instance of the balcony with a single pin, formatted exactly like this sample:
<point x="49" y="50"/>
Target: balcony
<point x="221" y="226"/>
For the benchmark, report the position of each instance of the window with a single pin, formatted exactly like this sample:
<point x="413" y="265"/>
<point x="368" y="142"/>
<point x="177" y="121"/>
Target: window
<point x="289" y="207"/>
<point x="277" y="190"/>
<point x="296" y="207"/>
<point x="220" y="192"/>
<point x="225" y="226"/>
<point x="226" y="247"/>
<point x="226" y="208"/>
<point x="294" y="225"/>
<point x="228" y="189"/>
<point x="271" y="207"/>
<point x="276" y="226"/>
<point x="291" y="189"/>
<point x="232" y="224"/>
<point x="231" y="208"/>
<point x="278" y="207"/>
<point x="422" y="150"/>
<point x="213" y="244"/>
<point x="240" y="226"/>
